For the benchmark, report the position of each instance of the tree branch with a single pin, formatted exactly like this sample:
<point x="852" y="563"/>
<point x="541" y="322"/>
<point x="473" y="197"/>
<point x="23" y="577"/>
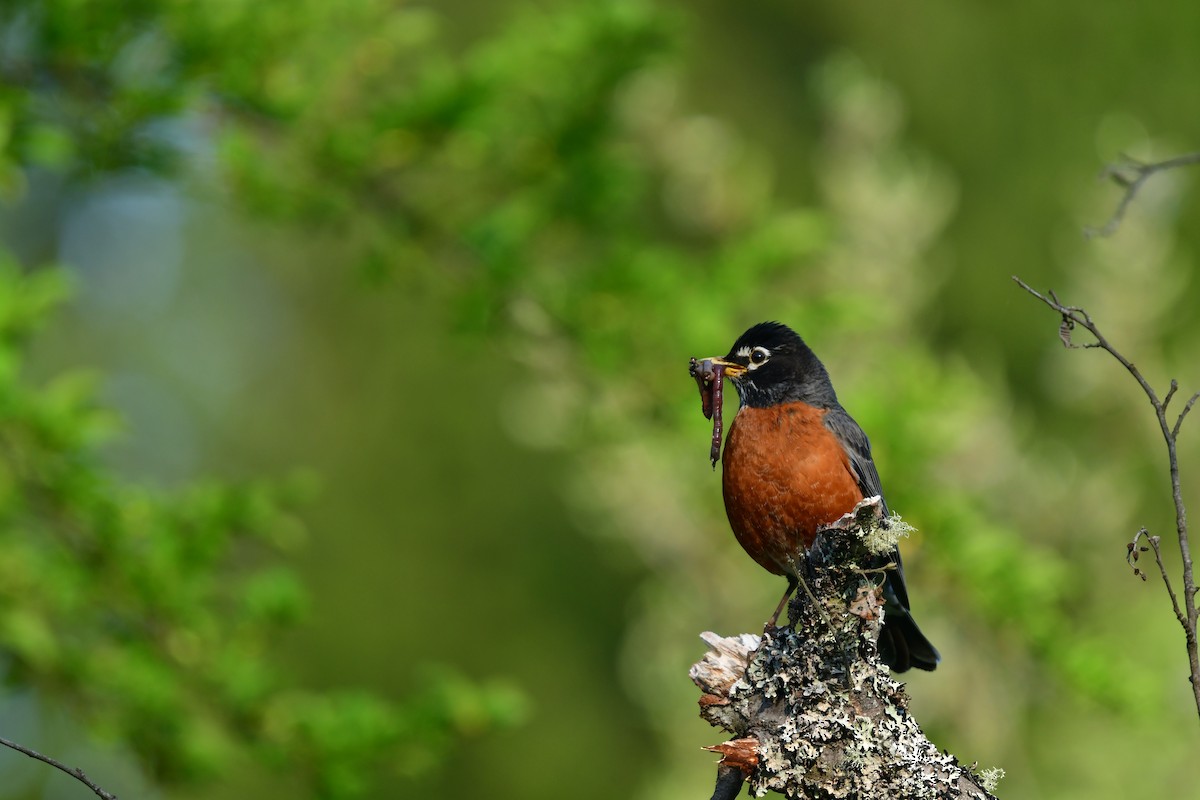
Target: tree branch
<point x="1186" y="613"/>
<point x="813" y="711"/>
<point x="1179" y="422"/>
<point x="1131" y="175"/>
<point x="1135" y="548"/>
<point x="74" y="772"/>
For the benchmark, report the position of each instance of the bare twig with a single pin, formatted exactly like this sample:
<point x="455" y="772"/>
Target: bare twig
<point x="1191" y="402"/>
<point x="1185" y="611"/>
<point x="1135" y="548"/>
<point x="1131" y="174"/>
<point x="74" y="772"/>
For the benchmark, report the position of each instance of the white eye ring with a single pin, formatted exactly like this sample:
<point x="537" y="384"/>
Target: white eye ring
<point x="758" y="357"/>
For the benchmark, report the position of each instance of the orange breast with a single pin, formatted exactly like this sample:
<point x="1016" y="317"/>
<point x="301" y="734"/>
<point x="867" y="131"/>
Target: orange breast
<point x="784" y="474"/>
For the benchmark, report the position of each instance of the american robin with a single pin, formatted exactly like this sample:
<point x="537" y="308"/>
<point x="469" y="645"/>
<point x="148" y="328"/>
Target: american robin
<point x="795" y="461"/>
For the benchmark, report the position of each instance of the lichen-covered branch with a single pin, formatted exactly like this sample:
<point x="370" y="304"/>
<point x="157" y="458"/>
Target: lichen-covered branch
<point x="812" y="710"/>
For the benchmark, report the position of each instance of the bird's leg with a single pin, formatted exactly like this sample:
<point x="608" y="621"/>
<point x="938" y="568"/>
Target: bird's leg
<point x="791" y="587"/>
<point x="812" y="598"/>
<point x="795" y="578"/>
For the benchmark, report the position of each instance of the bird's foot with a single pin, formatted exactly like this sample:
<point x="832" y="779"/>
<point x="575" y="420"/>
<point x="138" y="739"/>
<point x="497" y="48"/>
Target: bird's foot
<point x="770" y="628"/>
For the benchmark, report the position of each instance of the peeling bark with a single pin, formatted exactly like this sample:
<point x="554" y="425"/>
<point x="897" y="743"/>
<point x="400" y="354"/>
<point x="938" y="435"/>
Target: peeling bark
<point x="813" y="711"/>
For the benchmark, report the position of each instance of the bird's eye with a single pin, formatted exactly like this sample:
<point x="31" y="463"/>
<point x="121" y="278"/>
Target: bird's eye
<point x="759" y="355"/>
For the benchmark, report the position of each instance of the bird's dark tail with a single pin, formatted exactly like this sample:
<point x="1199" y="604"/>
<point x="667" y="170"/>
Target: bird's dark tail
<point x="901" y="643"/>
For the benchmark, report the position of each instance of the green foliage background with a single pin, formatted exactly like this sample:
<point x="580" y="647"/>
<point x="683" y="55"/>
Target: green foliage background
<point x="347" y="448"/>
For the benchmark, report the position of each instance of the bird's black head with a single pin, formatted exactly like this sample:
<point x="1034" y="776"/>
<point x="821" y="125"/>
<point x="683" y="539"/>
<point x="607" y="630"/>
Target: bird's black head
<point x="770" y="364"/>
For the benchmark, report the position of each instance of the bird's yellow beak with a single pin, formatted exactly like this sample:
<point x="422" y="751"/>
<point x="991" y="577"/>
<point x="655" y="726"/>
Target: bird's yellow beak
<point x="732" y="368"/>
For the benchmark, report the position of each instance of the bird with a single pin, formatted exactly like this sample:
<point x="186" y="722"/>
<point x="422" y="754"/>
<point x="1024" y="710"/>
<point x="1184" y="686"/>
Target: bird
<point x="795" y="461"/>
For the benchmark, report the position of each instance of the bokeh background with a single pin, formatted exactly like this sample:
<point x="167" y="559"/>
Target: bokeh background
<point x="348" y="447"/>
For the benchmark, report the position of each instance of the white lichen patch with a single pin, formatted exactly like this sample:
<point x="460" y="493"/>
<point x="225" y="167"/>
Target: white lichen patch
<point x="884" y="536"/>
<point x="990" y="778"/>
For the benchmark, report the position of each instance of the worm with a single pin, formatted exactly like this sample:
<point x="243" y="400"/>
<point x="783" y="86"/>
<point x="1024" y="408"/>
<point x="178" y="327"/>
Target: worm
<point x="710" y="378"/>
